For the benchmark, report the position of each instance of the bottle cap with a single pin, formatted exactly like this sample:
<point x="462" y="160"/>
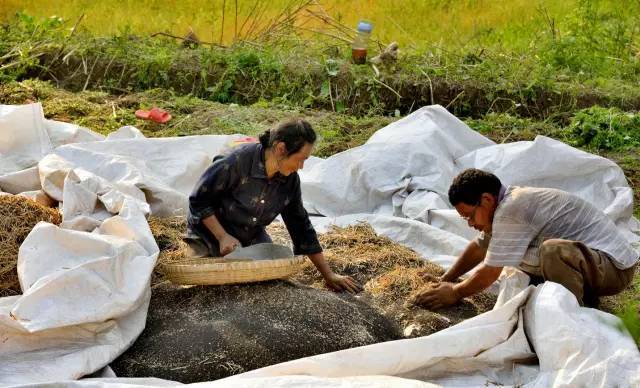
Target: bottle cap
<point x="365" y="26"/>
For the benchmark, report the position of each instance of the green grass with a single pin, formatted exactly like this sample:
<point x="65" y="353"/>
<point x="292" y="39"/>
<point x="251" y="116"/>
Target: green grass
<point x="470" y="81"/>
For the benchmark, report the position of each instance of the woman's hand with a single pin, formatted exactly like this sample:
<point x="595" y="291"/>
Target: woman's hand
<point x="227" y="244"/>
<point x="342" y="283"/>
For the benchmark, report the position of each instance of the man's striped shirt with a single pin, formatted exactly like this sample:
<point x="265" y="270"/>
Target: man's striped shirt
<point x="527" y="216"/>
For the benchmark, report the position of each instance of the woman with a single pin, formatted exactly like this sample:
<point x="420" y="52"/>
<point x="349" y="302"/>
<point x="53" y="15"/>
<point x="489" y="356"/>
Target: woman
<point x="244" y="191"/>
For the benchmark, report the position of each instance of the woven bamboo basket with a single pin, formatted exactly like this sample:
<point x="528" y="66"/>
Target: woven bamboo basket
<point x="218" y="271"/>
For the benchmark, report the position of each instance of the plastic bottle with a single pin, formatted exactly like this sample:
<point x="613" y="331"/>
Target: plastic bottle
<point x="359" y="46"/>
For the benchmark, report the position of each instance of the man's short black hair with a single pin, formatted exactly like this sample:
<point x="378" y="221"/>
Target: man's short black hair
<point x="470" y="184"/>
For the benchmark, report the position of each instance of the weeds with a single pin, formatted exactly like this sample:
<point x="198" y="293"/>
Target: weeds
<point x="469" y="81"/>
<point x="600" y="128"/>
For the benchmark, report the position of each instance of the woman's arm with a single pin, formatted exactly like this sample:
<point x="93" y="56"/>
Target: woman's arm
<point x="333" y="280"/>
<point x="305" y="242"/>
<point x="226" y="241"/>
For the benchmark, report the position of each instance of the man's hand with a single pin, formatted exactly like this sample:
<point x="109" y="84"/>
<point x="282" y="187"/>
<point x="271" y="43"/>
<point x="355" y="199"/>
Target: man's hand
<point x="440" y="296"/>
<point x="342" y="283"/>
<point x="227" y="244"/>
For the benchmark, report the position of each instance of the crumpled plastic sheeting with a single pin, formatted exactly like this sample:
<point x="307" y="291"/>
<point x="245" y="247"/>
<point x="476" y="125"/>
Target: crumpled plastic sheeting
<point x="86" y="285"/>
<point x="415" y="153"/>
<point x="85" y="298"/>
<point x="164" y="169"/>
<point x="405" y="170"/>
<point x="577" y="347"/>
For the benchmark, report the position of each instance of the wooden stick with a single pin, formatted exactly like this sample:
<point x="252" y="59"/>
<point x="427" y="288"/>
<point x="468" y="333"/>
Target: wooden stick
<point x="86" y="83"/>
<point x="224" y="6"/>
<point x="184" y="38"/>
<point x="430" y="84"/>
<point x="387" y="86"/>
<point x="235" y="24"/>
<point x="452" y="101"/>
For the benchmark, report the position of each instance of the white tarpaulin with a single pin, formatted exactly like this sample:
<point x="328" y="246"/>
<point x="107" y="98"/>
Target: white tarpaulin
<point x="86" y="283"/>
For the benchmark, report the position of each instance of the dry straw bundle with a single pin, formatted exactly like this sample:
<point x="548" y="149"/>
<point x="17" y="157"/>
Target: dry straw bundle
<point x="18" y="216"/>
<point x="168" y="233"/>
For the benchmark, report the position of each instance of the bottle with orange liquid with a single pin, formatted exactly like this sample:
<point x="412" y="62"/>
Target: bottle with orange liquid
<point x="359" y="45"/>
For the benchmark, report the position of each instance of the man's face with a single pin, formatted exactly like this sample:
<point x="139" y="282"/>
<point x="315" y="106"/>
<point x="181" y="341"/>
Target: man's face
<point x="480" y="216"/>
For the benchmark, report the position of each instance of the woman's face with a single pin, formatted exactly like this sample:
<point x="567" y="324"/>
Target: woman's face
<point x="294" y="162"/>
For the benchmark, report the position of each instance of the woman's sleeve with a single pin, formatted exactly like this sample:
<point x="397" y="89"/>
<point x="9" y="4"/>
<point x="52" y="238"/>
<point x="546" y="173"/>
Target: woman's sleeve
<point x="296" y="218"/>
<point x="216" y="182"/>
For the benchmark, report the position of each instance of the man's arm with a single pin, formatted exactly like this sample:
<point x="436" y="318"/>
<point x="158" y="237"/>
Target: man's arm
<point x="478" y="281"/>
<point x="472" y="256"/>
<point x="447" y="294"/>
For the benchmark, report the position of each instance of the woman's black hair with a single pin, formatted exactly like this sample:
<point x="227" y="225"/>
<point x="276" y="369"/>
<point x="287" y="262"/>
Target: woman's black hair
<point x="293" y="133"/>
<point x="470" y="184"/>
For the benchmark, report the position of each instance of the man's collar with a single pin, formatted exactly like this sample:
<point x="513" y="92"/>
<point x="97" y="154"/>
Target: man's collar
<point x="502" y="193"/>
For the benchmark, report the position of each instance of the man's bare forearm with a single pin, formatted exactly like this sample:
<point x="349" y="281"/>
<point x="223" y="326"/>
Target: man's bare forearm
<point x="479" y="281"/>
<point x="472" y="256"/>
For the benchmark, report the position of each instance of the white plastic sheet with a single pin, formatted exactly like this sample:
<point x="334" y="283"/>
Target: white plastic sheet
<point x="86" y="284"/>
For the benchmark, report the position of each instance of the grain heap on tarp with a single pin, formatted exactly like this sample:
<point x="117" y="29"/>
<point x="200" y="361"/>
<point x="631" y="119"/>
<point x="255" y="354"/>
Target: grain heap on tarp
<point x="204" y="333"/>
<point x="18" y="216"/>
<point x="391" y="274"/>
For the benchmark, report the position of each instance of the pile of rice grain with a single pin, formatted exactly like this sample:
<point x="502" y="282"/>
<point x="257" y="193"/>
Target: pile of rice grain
<point x="391" y="274"/>
<point x="18" y="216"/>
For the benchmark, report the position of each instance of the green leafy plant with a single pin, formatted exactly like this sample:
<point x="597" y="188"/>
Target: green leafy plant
<point x="631" y="320"/>
<point x="605" y="129"/>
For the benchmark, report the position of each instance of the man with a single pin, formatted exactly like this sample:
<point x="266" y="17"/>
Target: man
<point x="550" y="234"/>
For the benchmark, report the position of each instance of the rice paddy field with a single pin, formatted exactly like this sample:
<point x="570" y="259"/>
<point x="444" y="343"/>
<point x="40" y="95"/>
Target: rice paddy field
<point x="514" y="25"/>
